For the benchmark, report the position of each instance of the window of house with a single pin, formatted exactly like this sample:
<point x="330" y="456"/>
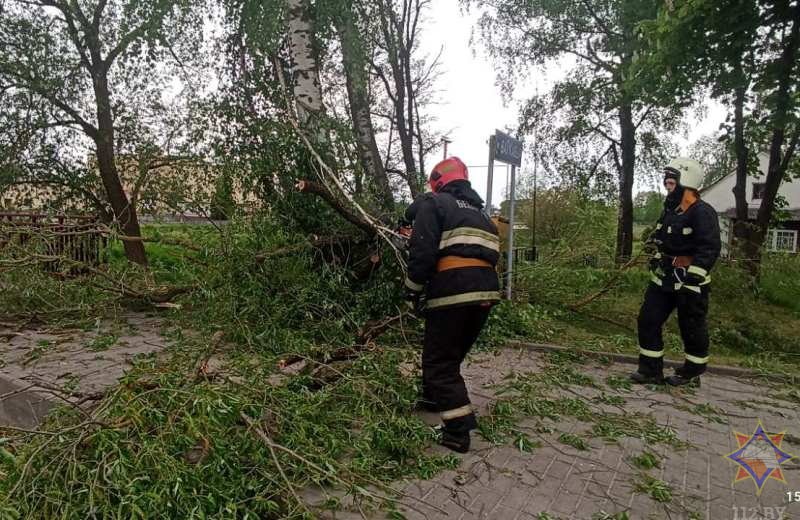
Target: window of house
<point x="758" y="190"/>
<point x="782" y="240"/>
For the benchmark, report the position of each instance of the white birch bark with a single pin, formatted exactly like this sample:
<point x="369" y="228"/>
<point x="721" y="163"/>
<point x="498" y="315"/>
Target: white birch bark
<point x="305" y="69"/>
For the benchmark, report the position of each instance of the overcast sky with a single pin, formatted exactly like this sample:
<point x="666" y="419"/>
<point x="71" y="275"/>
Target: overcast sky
<point x="471" y="105"/>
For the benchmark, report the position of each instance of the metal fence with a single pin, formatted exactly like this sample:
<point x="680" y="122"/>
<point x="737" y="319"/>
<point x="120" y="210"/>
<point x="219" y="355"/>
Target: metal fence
<point x="78" y="238"/>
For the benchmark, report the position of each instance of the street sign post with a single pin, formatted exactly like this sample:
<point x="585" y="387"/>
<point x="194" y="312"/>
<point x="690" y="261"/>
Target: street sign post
<point x="507" y="149"/>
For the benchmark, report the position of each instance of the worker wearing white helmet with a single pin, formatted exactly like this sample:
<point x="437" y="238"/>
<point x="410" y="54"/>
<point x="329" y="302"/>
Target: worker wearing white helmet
<point x="687" y="244"/>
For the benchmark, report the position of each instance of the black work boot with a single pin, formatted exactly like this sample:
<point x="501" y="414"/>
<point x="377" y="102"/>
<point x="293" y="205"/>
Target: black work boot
<point x="679" y="380"/>
<point x="456" y="442"/>
<point x="650" y="371"/>
<point x="455" y="433"/>
<point x="647" y="379"/>
<point x="688" y="374"/>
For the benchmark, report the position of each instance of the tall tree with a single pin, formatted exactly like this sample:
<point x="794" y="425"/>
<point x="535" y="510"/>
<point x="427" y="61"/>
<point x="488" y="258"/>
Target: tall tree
<point x="600" y="101"/>
<point x="748" y="53"/>
<point x="715" y="154"/>
<point x="69" y="56"/>
<point x="407" y="78"/>
<point x="356" y="65"/>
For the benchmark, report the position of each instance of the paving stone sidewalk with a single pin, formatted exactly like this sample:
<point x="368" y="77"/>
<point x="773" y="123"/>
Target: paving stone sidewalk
<point x="35" y="359"/>
<point x="557" y="481"/>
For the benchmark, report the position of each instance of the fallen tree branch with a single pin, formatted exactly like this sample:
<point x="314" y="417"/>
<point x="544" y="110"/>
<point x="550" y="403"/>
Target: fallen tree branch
<point x="364" y="342"/>
<point x="315" y="242"/>
<point x="385" y="233"/>
<point x="161" y="294"/>
<point x="610" y="284"/>
<point x="333" y="475"/>
<point x="372" y="329"/>
<point x="306" y="186"/>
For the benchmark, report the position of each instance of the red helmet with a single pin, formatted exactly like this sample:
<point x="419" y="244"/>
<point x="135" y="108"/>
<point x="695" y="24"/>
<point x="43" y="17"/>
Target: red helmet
<point x="447" y="171"/>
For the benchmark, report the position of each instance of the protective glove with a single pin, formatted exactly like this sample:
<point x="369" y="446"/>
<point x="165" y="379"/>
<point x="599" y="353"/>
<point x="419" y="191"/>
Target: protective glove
<point x="650" y="247"/>
<point x="685" y="277"/>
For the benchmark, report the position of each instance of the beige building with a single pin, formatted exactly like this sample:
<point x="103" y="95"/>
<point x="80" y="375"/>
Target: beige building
<point x="159" y="186"/>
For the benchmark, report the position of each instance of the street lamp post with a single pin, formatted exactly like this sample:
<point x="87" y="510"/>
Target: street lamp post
<point x="445" y="142"/>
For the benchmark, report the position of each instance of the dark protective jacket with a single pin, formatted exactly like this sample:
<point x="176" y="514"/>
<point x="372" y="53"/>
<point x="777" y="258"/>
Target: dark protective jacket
<point x="687" y="235"/>
<point x="453" y="249"/>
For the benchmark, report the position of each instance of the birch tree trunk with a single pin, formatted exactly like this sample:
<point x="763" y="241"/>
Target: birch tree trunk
<point x="305" y="69"/>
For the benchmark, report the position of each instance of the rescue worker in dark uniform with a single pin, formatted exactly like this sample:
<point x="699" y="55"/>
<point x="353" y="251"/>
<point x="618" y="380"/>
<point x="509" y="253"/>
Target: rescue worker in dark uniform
<point x="453" y="251"/>
<point x="687" y="244"/>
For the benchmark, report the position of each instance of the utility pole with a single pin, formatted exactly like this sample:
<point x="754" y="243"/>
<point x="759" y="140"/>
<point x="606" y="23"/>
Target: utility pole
<point x="510" y="266"/>
<point x="445" y="142"/>
<point x="534" y="253"/>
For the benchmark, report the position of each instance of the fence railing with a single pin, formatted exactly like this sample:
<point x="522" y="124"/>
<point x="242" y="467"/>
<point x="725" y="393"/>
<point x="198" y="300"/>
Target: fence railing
<point x="79" y="238"/>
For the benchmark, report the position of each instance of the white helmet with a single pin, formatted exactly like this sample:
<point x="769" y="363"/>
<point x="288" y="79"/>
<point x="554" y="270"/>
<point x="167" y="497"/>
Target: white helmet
<point x="688" y="172"/>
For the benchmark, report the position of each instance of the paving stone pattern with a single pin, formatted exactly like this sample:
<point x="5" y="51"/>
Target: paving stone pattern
<point x="557" y="481"/>
<point x="33" y="359"/>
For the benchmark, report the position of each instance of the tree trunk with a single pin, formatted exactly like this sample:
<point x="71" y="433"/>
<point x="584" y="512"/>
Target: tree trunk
<point x="741" y="230"/>
<point x="124" y="212"/>
<point x="398" y="57"/>
<point x="305" y="70"/>
<point x="356" y="81"/>
<point x="625" y="217"/>
<point x="777" y="159"/>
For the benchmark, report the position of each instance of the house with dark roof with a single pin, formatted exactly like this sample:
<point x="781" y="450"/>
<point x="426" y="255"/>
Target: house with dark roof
<point x="783" y="237"/>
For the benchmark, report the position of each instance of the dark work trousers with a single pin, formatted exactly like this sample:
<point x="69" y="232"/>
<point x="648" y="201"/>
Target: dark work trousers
<point x="692" y="313"/>
<point x="449" y="335"/>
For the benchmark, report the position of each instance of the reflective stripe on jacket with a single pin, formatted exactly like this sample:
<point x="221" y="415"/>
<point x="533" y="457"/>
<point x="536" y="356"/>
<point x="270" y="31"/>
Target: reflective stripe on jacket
<point x="688" y="238"/>
<point x="446" y="226"/>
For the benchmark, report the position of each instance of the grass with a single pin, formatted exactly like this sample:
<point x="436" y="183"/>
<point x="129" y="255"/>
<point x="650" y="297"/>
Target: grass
<point x="708" y="412"/>
<point x="737" y="316"/>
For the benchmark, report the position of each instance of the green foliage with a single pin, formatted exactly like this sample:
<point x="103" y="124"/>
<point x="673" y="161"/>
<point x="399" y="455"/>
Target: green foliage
<point x="573" y="440"/>
<point x="222" y="204"/>
<point x="302" y="301"/>
<point x="54" y="55"/>
<point x="646" y="460"/>
<point x="647" y="207"/>
<point x="570" y="226"/>
<point x="182" y="449"/>
<point x="619" y="382"/>
<point x="517" y="321"/>
<point x="716" y="156"/>
<point x="103" y="342"/>
<point x="658" y="490"/>
<point x="708" y="411"/>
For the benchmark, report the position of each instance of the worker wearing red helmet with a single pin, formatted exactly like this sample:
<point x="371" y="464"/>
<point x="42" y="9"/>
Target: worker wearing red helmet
<point x="453" y="251"/>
